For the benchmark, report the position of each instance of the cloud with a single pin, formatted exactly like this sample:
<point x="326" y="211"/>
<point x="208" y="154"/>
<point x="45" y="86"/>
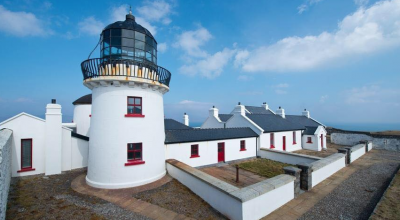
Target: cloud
<point x="323" y="98"/>
<point x="366" y="31"/>
<point x="22" y="24"/>
<point x="155" y="11"/>
<point x="91" y="26"/>
<point x="240" y="57"/>
<point x="361" y="2"/>
<point x="303" y="7"/>
<point x="209" y="67"/>
<point x="162" y="47"/>
<point x="373" y="94"/>
<point x="280" y="91"/>
<point x="245" y="78"/>
<point x="197" y="111"/>
<point x="191" y="41"/>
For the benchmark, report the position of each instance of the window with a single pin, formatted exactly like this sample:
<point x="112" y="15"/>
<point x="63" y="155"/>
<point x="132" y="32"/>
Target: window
<point x="134" y="154"/>
<point x="26" y="155"/>
<point x="194" y="151"/>
<point x="134" y="107"/>
<point x="294" y="137"/>
<point x="272" y="140"/>
<point x="309" y="140"/>
<point x="243" y="145"/>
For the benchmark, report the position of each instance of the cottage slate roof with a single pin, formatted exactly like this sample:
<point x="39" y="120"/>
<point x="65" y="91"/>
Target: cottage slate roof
<point x="209" y="134"/>
<point x="302" y="120"/>
<point x="310" y="130"/>
<point x="258" y="110"/>
<point x="84" y="100"/>
<point x="224" y="117"/>
<point x="271" y="123"/>
<point x="171" y="124"/>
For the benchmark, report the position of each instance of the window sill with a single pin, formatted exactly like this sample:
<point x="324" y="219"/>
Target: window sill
<point x="294" y="143"/>
<point x="132" y="163"/>
<point x="134" y="116"/>
<point x="272" y="147"/>
<point x="26" y="170"/>
<point x="309" y="142"/>
<point x="243" y="149"/>
<point x="194" y="156"/>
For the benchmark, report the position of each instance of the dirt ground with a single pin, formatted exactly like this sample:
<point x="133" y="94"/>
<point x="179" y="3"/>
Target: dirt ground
<point x="331" y="149"/>
<point x="389" y="207"/>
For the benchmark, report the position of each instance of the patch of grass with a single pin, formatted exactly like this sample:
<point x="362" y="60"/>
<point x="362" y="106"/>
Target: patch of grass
<point x="264" y="167"/>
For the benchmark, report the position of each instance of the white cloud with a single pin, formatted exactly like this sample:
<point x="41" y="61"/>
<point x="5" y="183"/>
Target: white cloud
<point x="373" y="94"/>
<point x="162" y="47"/>
<point x="280" y="91"/>
<point x="155" y="11"/>
<point x="91" y="26"/>
<point x="244" y="78"/>
<point x="241" y="57"/>
<point x="361" y="2"/>
<point x="22" y="24"/>
<point x="191" y="41"/>
<point x="209" y="67"/>
<point x="366" y="31"/>
<point x="323" y="98"/>
<point x="303" y="7"/>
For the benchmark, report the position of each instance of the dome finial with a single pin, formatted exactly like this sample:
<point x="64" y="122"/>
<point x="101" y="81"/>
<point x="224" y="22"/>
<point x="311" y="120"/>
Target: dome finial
<point x="130" y="16"/>
<point x="130" y="9"/>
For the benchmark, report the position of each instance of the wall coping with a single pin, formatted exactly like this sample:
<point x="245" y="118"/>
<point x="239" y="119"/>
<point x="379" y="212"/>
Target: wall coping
<point x="292" y="154"/>
<point x="326" y="161"/>
<point x="356" y="147"/>
<point x="243" y="194"/>
<point x="5" y="135"/>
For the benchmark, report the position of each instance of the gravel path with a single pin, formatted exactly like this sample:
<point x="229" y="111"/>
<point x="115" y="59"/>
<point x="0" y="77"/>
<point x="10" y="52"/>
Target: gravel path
<point x="357" y="196"/>
<point x="51" y="197"/>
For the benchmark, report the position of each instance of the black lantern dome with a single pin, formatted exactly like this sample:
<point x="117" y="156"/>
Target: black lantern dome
<point x="128" y="40"/>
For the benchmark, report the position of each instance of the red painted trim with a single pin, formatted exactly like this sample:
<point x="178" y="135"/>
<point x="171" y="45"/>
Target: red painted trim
<point x="194" y="156"/>
<point x="134" y="116"/>
<point x="26" y="170"/>
<point x="284" y="143"/>
<point x="309" y="140"/>
<point x="294" y="137"/>
<point x="243" y="150"/>
<point x="90" y="116"/>
<point x="134" y="162"/>
<point x="221" y="155"/>
<point x="141" y="106"/>
<point x="272" y="146"/>
<point x="194" y="151"/>
<point x="30" y="167"/>
<point x="243" y="145"/>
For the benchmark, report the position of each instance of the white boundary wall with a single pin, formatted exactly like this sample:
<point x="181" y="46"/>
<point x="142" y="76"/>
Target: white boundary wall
<point x="381" y="142"/>
<point x="252" y="202"/>
<point x="357" y="152"/>
<point x="6" y="143"/>
<point x="286" y="157"/>
<point x="326" y="167"/>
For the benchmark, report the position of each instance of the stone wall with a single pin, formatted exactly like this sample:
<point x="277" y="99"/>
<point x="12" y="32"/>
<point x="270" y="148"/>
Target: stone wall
<point x="378" y="141"/>
<point x="5" y="169"/>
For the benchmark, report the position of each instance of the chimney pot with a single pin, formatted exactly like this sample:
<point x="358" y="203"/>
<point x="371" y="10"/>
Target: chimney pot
<point x="239" y="103"/>
<point x="53" y="101"/>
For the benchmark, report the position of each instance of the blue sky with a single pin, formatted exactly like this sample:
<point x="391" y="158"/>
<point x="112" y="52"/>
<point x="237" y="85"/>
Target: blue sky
<point x="337" y="58"/>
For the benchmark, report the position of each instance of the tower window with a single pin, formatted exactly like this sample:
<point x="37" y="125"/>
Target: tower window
<point x="26" y="155"/>
<point x="242" y="145"/>
<point x="134" y="154"/>
<point x="134" y="107"/>
<point x="194" y="151"/>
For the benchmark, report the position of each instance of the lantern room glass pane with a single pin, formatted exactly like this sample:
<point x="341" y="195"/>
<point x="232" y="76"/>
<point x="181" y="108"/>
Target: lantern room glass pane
<point x="127" y="42"/>
<point x="115" y="41"/>
<point x="106" y="51"/>
<point x="128" y="33"/>
<point x="148" y="56"/>
<point x="106" y="42"/>
<point x="139" y="36"/>
<point x="139" y="44"/>
<point x="116" y="32"/>
<point x="149" y="48"/>
<point x="106" y="34"/>
<point x="139" y="53"/>
<point x="115" y="50"/>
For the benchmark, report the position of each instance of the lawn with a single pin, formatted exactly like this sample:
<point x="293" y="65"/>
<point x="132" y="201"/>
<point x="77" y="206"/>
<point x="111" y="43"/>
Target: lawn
<point x="264" y="167"/>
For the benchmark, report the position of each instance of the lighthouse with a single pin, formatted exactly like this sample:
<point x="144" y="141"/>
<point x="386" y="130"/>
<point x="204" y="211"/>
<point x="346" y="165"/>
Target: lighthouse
<point x="126" y="146"/>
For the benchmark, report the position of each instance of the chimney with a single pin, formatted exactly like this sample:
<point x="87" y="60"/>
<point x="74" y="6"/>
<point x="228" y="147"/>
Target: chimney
<point x="186" y="119"/>
<point x="265" y="105"/>
<point x="239" y="110"/>
<point x="53" y="138"/>
<point x="306" y="113"/>
<point x="281" y="112"/>
<point x="213" y="112"/>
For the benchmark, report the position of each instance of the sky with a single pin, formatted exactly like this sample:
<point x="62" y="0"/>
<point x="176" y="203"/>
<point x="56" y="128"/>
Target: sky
<point x="337" y="58"/>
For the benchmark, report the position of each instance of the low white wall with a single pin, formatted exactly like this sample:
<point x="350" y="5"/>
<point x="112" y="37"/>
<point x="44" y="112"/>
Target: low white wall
<point x="379" y="142"/>
<point x="6" y="143"/>
<point x="324" y="168"/>
<point x="208" y="151"/>
<point x="286" y="157"/>
<point x="357" y="152"/>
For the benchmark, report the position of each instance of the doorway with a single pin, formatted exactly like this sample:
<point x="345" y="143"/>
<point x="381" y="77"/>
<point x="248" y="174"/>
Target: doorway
<point x="284" y="143"/>
<point x="221" y="152"/>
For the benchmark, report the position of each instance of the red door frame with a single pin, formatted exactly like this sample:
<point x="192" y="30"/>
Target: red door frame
<point x="322" y="140"/>
<point x="284" y="143"/>
<point x="221" y="154"/>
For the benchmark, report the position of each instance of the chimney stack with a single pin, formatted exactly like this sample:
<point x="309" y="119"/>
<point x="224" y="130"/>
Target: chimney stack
<point x="213" y="112"/>
<point x="265" y="105"/>
<point x="186" y="119"/>
<point x="53" y="138"/>
<point x="281" y="112"/>
<point x="239" y="110"/>
<point x="306" y="113"/>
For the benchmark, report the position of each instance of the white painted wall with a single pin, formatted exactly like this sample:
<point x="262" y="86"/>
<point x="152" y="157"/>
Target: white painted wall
<point x="278" y="140"/>
<point x="378" y="142"/>
<point x="111" y="131"/>
<point x="208" y="151"/>
<point x="82" y="119"/>
<point x="357" y="153"/>
<point x="286" y="157"/>
<point x="212" y="122"/>
<point x="53" y="139"/>
<point x="326" y="171"/>
<point x="311" y="146"/>
<point x="79" y="153"/>
<point x="66" y="149"/>
<point x="240" y="121"/>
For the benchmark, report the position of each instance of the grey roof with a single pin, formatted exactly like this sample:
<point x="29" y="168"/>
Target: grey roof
<point x="302" y="120"/>
<point x="310" y="130"/>
<point x="209" y="134"/>
<point x="271" y="123"/>
<point x="84" y="100"/>
<point x="224" y="117"/>
<point x="258" y="110"/>
<point x="171" y="124"/>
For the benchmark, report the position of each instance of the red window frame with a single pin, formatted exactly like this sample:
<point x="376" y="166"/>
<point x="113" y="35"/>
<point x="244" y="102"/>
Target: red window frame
<point x="309" y="140"/>
<point x="134" y="105"/>
<point x="271" y="138"/>
<point x="294" y="137"/>
<point x="243" y="145"/>
<point x="134" y="161"/>
<point x="194" y="151"/>
<point x="29" y="168"/>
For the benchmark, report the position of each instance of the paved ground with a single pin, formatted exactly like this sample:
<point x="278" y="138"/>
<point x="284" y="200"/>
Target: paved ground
<point x="351" y="193"/>
<point x="227" y="173"/>
<point x="332" y="149"/>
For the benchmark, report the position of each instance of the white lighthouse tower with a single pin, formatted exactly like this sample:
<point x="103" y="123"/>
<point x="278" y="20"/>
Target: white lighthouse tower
<point x="126" y="146"/>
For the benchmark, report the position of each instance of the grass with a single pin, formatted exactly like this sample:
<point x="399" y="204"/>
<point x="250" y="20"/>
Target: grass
<point x="389" y="208"/>
<point x="264" y="167"/>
